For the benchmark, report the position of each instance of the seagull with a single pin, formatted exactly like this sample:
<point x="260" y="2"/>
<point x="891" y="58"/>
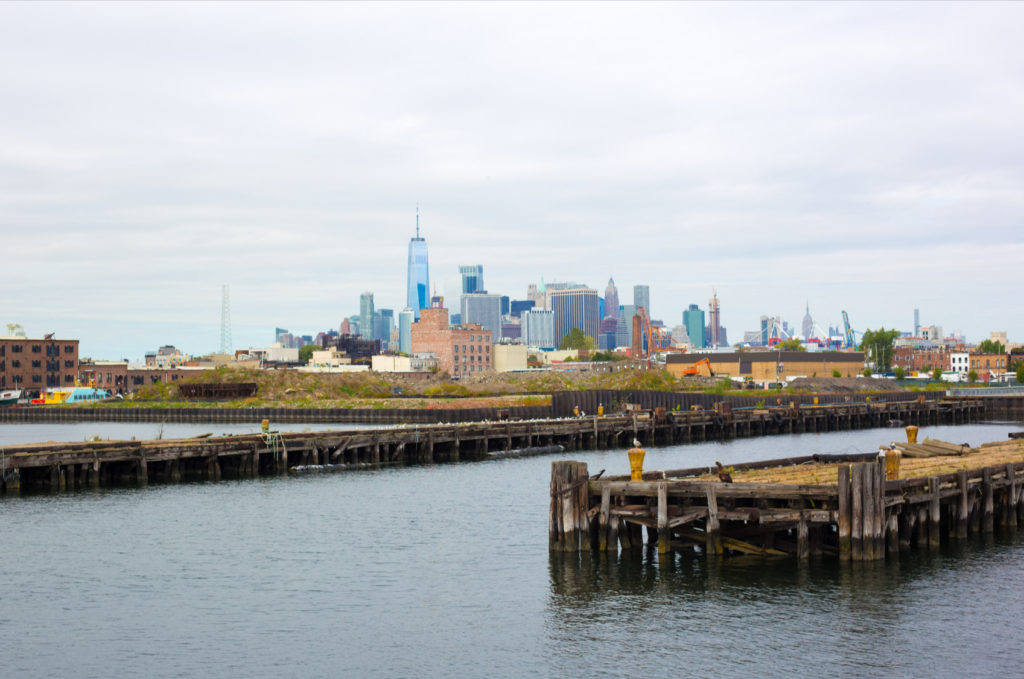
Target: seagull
<point x="636" y="443"/>
<point x="723" y="475"/>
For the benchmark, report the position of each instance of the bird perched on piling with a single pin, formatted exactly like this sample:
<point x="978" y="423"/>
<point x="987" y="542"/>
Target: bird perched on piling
<point x="723" y="475"/>
<point x="636" y="443"/>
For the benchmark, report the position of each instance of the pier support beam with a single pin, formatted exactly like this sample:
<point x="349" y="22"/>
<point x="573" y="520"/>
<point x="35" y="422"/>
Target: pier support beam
<point x="664" y="536"/>
<point x="713" y="538"/>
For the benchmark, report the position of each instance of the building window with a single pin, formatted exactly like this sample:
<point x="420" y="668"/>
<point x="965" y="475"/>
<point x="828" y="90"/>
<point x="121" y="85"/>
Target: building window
<point x="37" y="364"/>
<point x="37" y="349"/>
<point x="36" y="379"/>
<point x="69" y="349"/>
<point x="15" y="363"/>
<point x="17" y="349"/>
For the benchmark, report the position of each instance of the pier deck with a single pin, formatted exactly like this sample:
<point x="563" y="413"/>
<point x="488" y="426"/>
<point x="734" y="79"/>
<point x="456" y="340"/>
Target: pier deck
<point x="66" y="466"/>
<point x="848" y="506"/>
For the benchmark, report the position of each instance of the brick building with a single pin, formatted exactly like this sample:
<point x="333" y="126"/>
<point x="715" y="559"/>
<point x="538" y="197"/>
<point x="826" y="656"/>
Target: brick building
<point x="914" y="359"/>
<point x="460" y="351"/>
<point x="987" y="365"/>
<point x="110" y="376"/>
<point x="37" y="364"/>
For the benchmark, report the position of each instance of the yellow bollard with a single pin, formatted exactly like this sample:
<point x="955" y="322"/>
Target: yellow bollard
<point x="576" y="411"/>
<point x="636" y="463"/>
<point x="265" y="425"/>
<point x="815" y="400"/>
<point x="600" y="410"/>
<point x="868" y="399"/>
<point x="892" y="464"/>
<point x="911" y="434"/>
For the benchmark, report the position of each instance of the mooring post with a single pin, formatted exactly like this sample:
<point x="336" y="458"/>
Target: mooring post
<point x="987" y="507"/>
<point x="934" y="513"/>
<point x="568" y="519"/>
<point x="603" y="522"/>
<point x="844" y="512"/>
<point x="664" y="537"/>
<point x="713" y="538"/>
<point x="857" y="512"/>
<point x="962" y="506"/>
<point x="1010" y="498"/>
<point x="868" y="506"/>
<point x="803" y="548"/>
<point x="880" y="518"/>
<point x="142" y="471"/>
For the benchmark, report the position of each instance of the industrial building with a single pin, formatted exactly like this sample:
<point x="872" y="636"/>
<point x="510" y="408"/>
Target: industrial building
<point x="772" y="366"/>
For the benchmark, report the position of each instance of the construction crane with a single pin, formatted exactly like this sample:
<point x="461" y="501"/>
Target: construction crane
<point x="701" y="367"/>
<point x="648" y="339"/>
<point x="848" y="331"/>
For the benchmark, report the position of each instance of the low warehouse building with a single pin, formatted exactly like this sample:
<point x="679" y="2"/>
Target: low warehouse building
<point x="771" y="366"/>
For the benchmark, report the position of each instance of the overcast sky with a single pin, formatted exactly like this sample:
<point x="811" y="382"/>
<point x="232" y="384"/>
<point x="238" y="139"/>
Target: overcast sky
<point x="865" y="157"/>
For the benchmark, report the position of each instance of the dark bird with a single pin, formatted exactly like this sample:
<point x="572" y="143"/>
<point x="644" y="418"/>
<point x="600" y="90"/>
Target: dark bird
<point x="597" y="476"/>
<point x="723" y="475"/>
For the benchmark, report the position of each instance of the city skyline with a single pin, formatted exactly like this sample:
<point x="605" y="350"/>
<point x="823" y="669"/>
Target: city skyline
<point x="136" y="185"/>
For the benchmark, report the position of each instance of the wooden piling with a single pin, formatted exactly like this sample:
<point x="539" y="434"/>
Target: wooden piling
<point x="843" y="527"/>
<point x="934" y="513"/>
<point x="857" y="512"/>
<point x="1010" y="498"/>
<point x="712" y="540"/>
<point x="962" y="505"/>
<point x="568" y="520"/>
<point x="664" y="536"/>
<point x="603" y="522"/>
<point x="987" y="506"/>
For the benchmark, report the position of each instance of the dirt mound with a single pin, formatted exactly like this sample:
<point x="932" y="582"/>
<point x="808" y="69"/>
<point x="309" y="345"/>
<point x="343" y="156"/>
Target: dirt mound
<point x="842" y="385"/>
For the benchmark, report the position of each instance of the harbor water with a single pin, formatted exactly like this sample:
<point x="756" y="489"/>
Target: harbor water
<point x="444" y="571"/>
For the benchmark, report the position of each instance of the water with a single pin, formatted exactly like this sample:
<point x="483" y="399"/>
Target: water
<point x="444" y="571"/>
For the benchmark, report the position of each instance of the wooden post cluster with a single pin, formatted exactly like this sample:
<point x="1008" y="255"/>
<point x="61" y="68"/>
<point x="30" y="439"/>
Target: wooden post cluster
<point x="569" y="518"/>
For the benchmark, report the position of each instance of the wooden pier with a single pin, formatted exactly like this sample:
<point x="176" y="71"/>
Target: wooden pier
<point x="67" y="466"/>
<point x="849" y="507"/>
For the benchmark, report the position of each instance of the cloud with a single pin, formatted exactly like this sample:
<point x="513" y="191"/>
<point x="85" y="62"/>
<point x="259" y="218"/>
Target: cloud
<point x="863" y="156"/>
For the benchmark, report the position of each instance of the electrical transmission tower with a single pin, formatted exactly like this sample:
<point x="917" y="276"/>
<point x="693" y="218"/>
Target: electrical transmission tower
<point x="225" y="321"/>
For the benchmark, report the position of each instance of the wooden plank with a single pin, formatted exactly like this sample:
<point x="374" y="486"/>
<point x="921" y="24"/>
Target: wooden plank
<point x="688" y="516"/>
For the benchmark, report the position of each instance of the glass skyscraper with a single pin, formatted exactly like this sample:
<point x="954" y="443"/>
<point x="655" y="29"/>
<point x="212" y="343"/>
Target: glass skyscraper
<point x="419" y="277"/>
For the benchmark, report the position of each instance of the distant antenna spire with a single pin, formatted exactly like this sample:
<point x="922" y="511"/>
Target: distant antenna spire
<point x="225" y="321"/>
<point x="417" y="220"/>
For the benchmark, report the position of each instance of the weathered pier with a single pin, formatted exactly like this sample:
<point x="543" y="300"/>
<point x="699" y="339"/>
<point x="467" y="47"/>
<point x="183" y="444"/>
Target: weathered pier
<point x="65" y="466"/>
<point x="853" y="507"/>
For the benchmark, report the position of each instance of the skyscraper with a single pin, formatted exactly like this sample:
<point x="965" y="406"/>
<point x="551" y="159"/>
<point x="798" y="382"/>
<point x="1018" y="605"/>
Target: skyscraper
<point x="538" y="328"/>
<point x="693" y="320"/>
<point x="472" y="278"/>
<point x="418" y="296"/>
<point x="917" y="322"/>
<point x="642" y="297"/>
<point x="808" y="325"/>
<point x="715" y="334"/>
<point x="366" y="326"/>
<point x="405" y="319"/>
<point x="485" y="311"/>
<point x="611" y="300"/>
<point x="575" y="308"/>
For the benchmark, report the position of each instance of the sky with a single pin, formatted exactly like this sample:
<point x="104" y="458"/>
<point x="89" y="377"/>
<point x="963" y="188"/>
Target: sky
<point x="857" y="156"/>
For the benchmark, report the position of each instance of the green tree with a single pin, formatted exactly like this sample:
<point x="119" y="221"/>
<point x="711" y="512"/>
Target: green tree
<point x="867" y="371"/>
<point x="792" y="344"/>
<point x="1020" y="372"/>
<point x="972" y="376"/>
<point x="306" y="352"/>
<point x="991" y="347"/>
<point x="836" y="373"/>
<point x="576" y="340"/>
<point x="937" y="374"/>
<point x="878" y="345"/>
<point x="900" y="372"/>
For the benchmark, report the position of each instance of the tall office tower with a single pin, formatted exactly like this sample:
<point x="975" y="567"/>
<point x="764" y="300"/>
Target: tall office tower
<point x="575" y="308"/>
<point x="611" y="300"/>
<point x="485" y="311"/>
<point x="808" y="327"/>
<point x="771" y="328"/>
<point x="518" y="307"/>
<point x="693" y="320"/>
<point x="538" y="328"/>
<point x="418" y="296"/>
<point x="345" y="328"/>
<point x="279" y="333"/>
<point x="642" y="297"/>
<point x="387" y="324"/>
<point x="715" y="337"/>
<point x="917" y="322"/>
<point x="472" y="278"/>
<point x="366" y="325"/>
<point x="405" y="319"/>
<point x="624" y="327"/>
